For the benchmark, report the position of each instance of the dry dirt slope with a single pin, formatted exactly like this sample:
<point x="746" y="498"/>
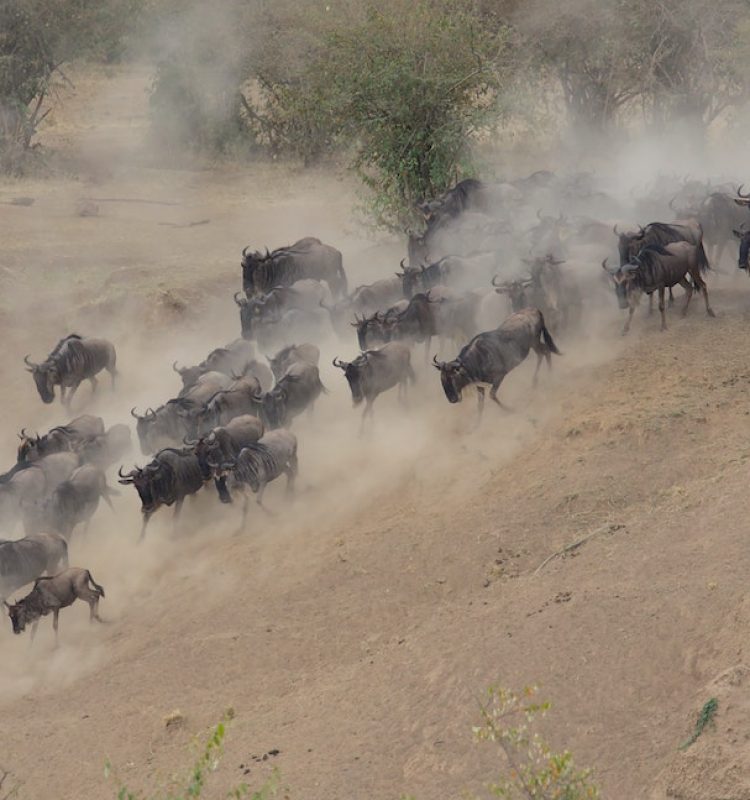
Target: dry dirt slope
<point x="355" y="642"/>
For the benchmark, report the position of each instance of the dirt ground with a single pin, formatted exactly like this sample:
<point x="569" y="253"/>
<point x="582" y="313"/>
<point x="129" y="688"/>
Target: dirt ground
<point x="353" y="630"/>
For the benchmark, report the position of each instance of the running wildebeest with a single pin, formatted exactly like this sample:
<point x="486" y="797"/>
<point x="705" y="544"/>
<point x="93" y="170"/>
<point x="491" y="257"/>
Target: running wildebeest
<point x="490" y="356"/>
<point x="233" y="359"/>
<point x="63" y="438"/>
<point x="73" y="360"/>
<point x="24" y="560"/>
<point x="167" y="480"/>
<point x="223" y="406"/>
<point x="107" y="448"/>
<point x="73" y="502"/>
<point x="654" y="269"/>
<point x="743" y="234"/>
<point x="375" y="371"/>
<point x="257" y="465"/>
<point x="291" y="354"/>
<point x="307" y="258"/>
<point x="296" y="391"/>
<point x="50" y="594"/>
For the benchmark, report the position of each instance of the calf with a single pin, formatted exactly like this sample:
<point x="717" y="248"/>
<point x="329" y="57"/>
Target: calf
<point x="490" y="356"/>
<point x="24" y="560"/>
<point x="51" y="594"/>
<point x="376" y="371"/>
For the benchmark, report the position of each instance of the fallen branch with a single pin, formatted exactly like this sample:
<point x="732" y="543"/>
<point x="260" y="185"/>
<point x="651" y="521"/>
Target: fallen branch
<point x="610" y="527"/>
<point x="185" y="224"/>
<point x="131" y="200"/>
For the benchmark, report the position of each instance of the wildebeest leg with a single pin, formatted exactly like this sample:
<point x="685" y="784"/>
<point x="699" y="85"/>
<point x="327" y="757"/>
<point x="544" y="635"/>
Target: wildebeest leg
<point x="34" y="626"/>
<point x="290" y="473"/>
<point x="704" y="289"/>
<point x="112" y="374"/>
<point x="73" y="389"/>
<point x="177" y="509"/>
<point x="494" y="398"/>
<point x="661" y="308"/>
<point x="480" y="402"/>
<point x="671" y="297"/>
<point x="94" y="383"/>
<point x="62" y="394"/>
<point x="688" y="294"/>
<point x="146" y="518"/>
<point x="94" y="610"/>
<point x="650" y="306"/>
<point x="631" y="311"/>
<point x="245" y="506"/>
<point x="55" y="616"/>
<point x="368" y="412"/>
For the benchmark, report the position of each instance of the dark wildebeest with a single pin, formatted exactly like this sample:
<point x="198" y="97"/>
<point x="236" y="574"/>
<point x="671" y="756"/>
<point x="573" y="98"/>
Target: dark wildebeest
<point x="455" y="313"/>
<point x="257" y="465"/>
<point x="466" y="195"/>
<point x="50" y="594"/>
<point x="296" y="391"/>
<point x="371" y="330"/>
<point x="719" y="215"/>
<point x="268" y="308"/>
<point x="307" y="258"/>
<point x="167" y="480"/>
<point x="233" y="359"/>
<point x="422" y="279"/>
<point x="222" y="407"/>
<point x="73" y="502"/>
<point x="73" y="360"/>
<point x="654" y="269"/>
<point x="24" y="560"/>
<point x="375" y="371"/>
<point x="63" y="438"/>
<point x="416" y="323"/>
<point x="490" y="356"/>
<point x="280" y="363"/>
<point x="364" y="300"/>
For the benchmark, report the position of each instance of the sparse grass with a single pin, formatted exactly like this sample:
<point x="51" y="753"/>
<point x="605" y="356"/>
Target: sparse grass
<point x="194" y="781"/>
<point x="706" y="717"/>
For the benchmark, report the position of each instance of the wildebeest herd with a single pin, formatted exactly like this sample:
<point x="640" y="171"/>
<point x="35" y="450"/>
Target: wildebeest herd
<point x="496" y="272"/>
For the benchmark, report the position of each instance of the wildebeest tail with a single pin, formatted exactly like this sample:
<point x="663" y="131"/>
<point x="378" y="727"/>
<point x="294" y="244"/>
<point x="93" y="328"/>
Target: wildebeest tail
<point x="703" y="259"/>
<point x="96" y="586"/>
<point x="548" y="340"/>
<point x="342" y="276"/>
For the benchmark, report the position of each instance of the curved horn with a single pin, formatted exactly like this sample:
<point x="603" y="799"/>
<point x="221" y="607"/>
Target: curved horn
<point x="539" y="214"/>
<point x="29" y="363"/>
<point x="268" y="253"/>
<point x="150" y="412"/>
<point x="190" y="442"/>
<point x="23" y="435"/>
<point x="120" y="473"/>
<point x="614" y="230"/>
<point x="437" y="364"/>
<point x="337" y="362"/>
<point x="604" y="265"/>
<point x="133" y="414"/>
<point x="743" y="196"/>
<point x="244" y="251"/>
<point x="401" y="263"/>
<point x="494" y="278"/>
<point x="671" y="202"/>
<point x="241" y="302"/>
<point x="176" y="368"/>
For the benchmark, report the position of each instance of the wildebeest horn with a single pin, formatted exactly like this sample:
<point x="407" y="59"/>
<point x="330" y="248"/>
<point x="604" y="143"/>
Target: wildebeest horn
<point x="29" y="363"/>
<point x="401" y="264"/>
<point x="133" y="414"/>
<point x="494" y="278"/>
<point x="22" y="435"/>
<point x="604" y="265"/>
<point x="437" y="364"/>
<point x="614" y="230"/>
<point x="176" y="368"/>
<point x="258" y="397"/>
<point x="337" y="362"/>
<point x="5" y="603"/>
<point x="190" y="442"/>
<point x="539" y="214"/>
<point x="244" y="251"/>
<point x="739" y="193"/>
<point x="150" y="412"/>
<point x="241" y="302"/>
<point x="268" y="253"/>
<point x="671" y="202"/>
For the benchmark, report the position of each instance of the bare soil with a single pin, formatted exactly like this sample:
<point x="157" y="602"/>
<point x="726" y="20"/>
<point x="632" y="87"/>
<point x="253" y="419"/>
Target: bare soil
<point x="353" y="630"/>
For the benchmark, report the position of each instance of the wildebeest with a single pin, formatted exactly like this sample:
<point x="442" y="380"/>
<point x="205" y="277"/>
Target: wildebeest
<point x="490" y="356"/>
<point x="371" y="330"/>
<point x="73" y="360"/>
<point x="50" y="594"/>
<point x="107" y="448"/>
<point x="73" y="502"/>
<point x="258" y="464"/>
<point x="307" y="258"/>
<point x="223" y="406"/>
<point x="415" y="323"/>
<point x="63" y="438"/>
<point x="364" y="300"/>
<point x="24" y="560"/>
<point x="422" y="279"/>
<point x="719" y="215"/>
<point x="31" y="482"/>
<point x="233" y="359"/>
<point x="743" y="235"/>
<point x="375" y="371"/>
<point x="268" y="308"/>
<point x="466" y="195"/>
<point x="295" y="392"/>
<point x="167" y="480"/>
<point x="289" y="355"/>
<point x="654" y="269"/>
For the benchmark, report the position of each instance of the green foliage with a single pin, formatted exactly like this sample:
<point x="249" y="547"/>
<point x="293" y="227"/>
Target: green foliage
<point x="531" y="769"/>
<point x="406" y="84"/>
<point x="706" y="716"/>
<point x="194" y="781"/>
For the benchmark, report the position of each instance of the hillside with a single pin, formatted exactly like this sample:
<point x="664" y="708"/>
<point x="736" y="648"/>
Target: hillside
<point x="353" y="630"/>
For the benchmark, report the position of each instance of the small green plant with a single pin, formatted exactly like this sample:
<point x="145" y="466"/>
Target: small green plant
<point x="531" y="769"/>
<point x="706" y="716"/>
<point x="194" y="782"/>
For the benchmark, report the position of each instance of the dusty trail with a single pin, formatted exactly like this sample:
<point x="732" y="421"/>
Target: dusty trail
<point x="354" y="630"/>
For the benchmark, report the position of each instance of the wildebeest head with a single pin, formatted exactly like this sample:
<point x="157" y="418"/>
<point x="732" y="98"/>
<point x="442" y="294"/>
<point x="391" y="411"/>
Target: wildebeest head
<point x="516" y="291"/>
<point x="20" y="616"/>
<point x="246" y="315"/>
<point x="144" y="427"/>
<point x="370" y="330"/>
<point x="250" y="263"/>
<point x="45" y="375"/>
<point x="628" y="243"/>
<point x="189" y="375"/>
<point x="410" y="277"/>
<point x="454" y="377"/>
<point x="356" y="373"/>
<point x="147" y="481"/>
<point x="273" y="406"/>
<point x="30" y="448"/>
<point x="623" y="279"/>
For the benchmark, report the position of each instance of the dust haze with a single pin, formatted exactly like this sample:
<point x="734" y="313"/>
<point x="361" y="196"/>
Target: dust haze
<point x="163" y="293"/>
